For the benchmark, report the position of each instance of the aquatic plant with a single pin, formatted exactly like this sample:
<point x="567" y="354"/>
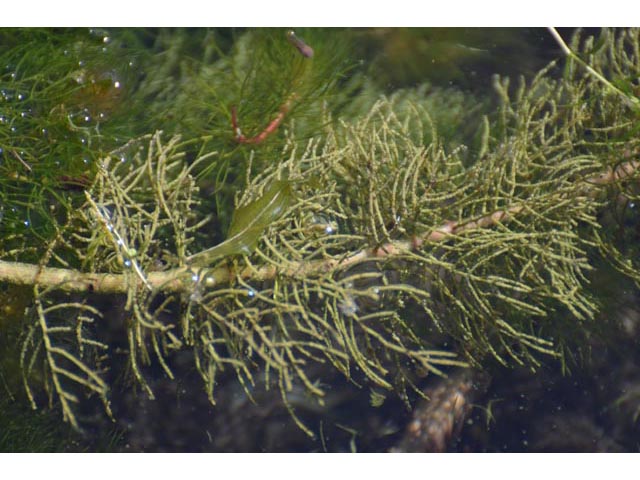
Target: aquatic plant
<point x="366" y="244"/>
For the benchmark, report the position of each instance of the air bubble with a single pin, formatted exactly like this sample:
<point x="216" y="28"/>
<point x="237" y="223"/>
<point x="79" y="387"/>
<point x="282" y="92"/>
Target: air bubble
<point x="251" y="293"/>
<point x="79" y="77"/>
<point x="348" y="306"/>
<point x="27" y="223"/>
<point x="116" y="84"/>
<point x="320" y="222"/>
<point x="127" y="263"/>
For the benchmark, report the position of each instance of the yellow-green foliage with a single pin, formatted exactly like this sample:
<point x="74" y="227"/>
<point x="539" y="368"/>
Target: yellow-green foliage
<point x="368" y="244"/>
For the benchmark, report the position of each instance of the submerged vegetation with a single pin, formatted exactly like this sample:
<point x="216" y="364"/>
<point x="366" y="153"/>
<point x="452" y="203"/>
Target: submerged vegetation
<point x="257" y="199"/>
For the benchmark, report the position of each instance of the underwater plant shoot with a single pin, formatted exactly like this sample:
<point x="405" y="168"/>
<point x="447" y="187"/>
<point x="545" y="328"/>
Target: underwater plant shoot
<point x="265" y="239"/>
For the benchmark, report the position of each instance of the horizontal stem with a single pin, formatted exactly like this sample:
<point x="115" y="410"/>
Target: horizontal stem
<point x="181" y="279"/>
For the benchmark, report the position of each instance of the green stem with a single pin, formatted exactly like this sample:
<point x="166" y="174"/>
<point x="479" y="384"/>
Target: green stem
<point x="633" y="101"/>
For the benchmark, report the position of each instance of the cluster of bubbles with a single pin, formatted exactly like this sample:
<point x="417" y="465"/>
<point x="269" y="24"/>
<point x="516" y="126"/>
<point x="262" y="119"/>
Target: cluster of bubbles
<point x="14" y="107"/>
<point x="13" y="218"/>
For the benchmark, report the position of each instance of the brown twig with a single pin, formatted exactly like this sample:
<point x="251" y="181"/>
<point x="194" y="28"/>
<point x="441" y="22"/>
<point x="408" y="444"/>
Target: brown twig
<point x="179" y="279"/>
<point x="438" y="419"/>
<point x="304" y="49"/>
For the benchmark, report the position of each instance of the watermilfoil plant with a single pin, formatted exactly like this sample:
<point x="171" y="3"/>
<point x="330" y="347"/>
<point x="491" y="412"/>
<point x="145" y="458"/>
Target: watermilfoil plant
<point x="363" y="243"/>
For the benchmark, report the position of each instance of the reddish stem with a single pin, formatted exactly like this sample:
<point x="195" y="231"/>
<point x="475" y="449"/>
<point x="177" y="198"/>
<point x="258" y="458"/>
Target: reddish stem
<point x="268" y="130"/>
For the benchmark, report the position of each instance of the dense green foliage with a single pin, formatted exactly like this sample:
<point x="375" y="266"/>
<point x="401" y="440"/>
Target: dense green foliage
<point x="386" y="237"/>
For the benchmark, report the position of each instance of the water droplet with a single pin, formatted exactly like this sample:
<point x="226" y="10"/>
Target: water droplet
<point x="87" y="118"/>
<point x="106" y="39"/>
<point x="127" y="263"/>
<point x="632" y="205"/>
<point x="195" y="277"/>
<point x="27" y="223"/>
<point x="251" y="293"/>
<point x="116" y="84"/>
